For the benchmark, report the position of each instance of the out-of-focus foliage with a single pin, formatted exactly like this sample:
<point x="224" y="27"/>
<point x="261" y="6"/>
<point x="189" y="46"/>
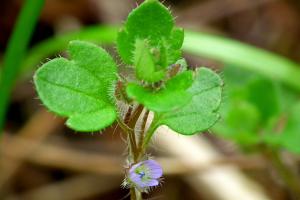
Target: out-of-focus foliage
<point x="16" y="51"/>
<point x="243" y="56"/>
<point x="257" y="110"/>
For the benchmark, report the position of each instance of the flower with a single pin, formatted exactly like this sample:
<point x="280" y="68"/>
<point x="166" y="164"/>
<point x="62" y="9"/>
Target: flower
<point x="145" y="174"/>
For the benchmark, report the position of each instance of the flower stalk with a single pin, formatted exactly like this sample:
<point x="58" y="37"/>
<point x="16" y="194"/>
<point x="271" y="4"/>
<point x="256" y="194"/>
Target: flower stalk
<point x="142" y="173"/>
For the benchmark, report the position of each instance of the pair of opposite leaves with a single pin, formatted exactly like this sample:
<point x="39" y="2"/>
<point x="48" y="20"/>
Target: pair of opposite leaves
<point x="82" y="88"/>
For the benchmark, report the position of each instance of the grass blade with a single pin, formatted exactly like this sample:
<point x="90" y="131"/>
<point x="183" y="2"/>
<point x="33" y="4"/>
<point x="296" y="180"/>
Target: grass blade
<point x="16" y="50"/>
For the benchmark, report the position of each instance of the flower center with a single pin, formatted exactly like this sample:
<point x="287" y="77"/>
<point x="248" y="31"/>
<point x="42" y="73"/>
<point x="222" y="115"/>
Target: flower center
<point x="142" y="174"/>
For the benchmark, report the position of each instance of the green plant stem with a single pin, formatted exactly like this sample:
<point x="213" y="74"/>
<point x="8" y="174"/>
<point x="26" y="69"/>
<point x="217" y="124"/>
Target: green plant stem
<point x="130" y="134"/>
<point x="290" y="179"/>
<point x="143" y="130"/>
<point x="16" y="50"/>
<point x="135" y="116"/>
<point x="128" y="115"/>
<point x="134" y="151"/>
<point x="132" y="194"/>
<point x="135" y="194"/>
<point x="149" y="135"/>
<point x="132" y="123"/>
<point x="150" y="132"/>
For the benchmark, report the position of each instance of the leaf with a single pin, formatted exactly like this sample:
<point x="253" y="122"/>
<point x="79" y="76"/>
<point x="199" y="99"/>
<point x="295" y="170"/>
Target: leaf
<point x="153" y="18"/>
<point x="174" y="45"/>
<point x="201" y="112"/>
<point x="81" y="88"/>
<point x="106" y="116"/>
<point x="154" y="22"/>
<point x="144" y="63"/>
<point x="173" y="96"/>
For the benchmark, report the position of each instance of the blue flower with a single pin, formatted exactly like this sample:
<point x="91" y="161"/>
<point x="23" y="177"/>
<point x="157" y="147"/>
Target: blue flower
<point x="145" y="174"/>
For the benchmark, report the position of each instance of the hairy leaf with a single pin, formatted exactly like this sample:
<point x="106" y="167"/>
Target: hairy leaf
<point x="201" y="112"/>
<point x="145" y="64"/>
<point x="81" y="88"/>
<point x="173" y="96"/>
<point x="174" y="45"/>
<point x="154" y="22"/>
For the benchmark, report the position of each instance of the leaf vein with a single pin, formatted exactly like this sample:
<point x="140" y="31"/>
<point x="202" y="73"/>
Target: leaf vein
<point x="69" y="88"/>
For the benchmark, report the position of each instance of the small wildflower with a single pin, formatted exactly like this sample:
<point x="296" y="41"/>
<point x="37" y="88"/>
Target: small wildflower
<point x="145" y="174"/>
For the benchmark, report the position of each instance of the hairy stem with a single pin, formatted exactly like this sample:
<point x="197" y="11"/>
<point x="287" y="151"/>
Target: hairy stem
<point x="143" y="130"/>
<point x="134" y="150"/>
<point x="150" y="132"/>
<point x="132" y="123"/>
<point x="130" y="132"/>
<point x="128" y="115"/>
<point x="134" y="193"/>
<point x="135" y="116"/>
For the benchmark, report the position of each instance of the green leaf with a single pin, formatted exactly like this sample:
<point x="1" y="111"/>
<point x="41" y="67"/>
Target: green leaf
<point x="125" y="46"/>
<point x="144" y="63"/>
<point x="91" y="121"/>
<point x="81" y="88"/>
<point x="175" y="43"/>
<point x="154" y="22"/>
<point x="173" y="96"/>
<point x="201" y="112"/>
<point x="153" y="18"/>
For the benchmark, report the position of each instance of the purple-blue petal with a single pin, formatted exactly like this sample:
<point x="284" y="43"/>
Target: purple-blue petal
<point x="145" y="174"/>
<point x="134" y="177"/>
<point x="151" y="182"/>
<point x="133" y="167"/>
<point x="155" y="169"/>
